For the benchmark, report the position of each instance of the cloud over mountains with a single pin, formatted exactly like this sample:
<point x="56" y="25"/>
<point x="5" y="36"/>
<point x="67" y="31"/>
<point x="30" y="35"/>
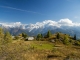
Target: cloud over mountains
<point x="63" y="25"/>
<point x="44" y="24"/>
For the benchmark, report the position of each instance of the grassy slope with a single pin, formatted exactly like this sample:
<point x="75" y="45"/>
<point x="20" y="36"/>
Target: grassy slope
<point x="38" y="50"/>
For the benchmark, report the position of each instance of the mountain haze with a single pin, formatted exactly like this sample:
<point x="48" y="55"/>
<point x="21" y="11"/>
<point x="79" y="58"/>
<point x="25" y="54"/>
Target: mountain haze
<point x="63" y="25"/>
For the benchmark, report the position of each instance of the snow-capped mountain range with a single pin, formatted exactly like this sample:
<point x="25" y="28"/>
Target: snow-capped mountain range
<point x="63" y="25"/>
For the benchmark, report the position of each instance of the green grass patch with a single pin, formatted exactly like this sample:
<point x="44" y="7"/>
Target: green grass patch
<point x="43" y="46"/>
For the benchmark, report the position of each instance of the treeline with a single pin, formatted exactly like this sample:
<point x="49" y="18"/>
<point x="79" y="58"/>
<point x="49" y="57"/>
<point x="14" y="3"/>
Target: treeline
<point x="60" y="37"/>
<point x="64" y="38"/>
<point x="49" y="35"/>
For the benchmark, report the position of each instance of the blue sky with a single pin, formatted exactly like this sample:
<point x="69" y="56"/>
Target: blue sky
<point x="32" y="11"/>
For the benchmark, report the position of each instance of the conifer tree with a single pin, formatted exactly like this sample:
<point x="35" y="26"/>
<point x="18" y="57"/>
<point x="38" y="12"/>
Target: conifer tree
<point x="41" y="35"/>
<point x="1" y="36"/>
<point x="38" y="36"/>
<point x="24" y="35"/>
<point x="75" y="37"/>
<point x="58" y="35"/>
<point x="66" y="40"/>
<point x="7" y="37"/>
<point x="48" y="34"/>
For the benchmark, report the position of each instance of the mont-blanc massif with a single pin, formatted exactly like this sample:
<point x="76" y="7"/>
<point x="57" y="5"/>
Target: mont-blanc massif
<point x="63" y="25"/>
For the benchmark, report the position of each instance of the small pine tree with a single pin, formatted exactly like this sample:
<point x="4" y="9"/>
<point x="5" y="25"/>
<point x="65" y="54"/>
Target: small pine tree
<point x="48" y="34"/>
<point x="1" y="36"/>
<point x="41" y="35"/>
<point x="38" y="36"/>
<point x="66" y="40"/>
<point x="16" y="37"/>
<point x="24" y="35"/>
<point x="75" y="37"/>
<point x="58" y="36"/>
<point x="7" y="37"/>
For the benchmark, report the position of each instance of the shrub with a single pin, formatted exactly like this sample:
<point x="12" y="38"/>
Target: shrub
<point x="7" y="38"/>
<point x="66" y="40"/>
<point x="77" y="43"/>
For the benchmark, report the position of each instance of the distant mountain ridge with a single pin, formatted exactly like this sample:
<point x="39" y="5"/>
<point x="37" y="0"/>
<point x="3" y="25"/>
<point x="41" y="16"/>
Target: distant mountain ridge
<point x="63" y="25"/>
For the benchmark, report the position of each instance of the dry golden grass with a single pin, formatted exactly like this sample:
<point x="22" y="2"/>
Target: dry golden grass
<point x="25" y="50"/>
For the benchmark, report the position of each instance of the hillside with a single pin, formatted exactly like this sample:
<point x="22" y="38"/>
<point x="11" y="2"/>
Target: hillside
<point x="56" y="46"/>
<point x="39" y="50"/>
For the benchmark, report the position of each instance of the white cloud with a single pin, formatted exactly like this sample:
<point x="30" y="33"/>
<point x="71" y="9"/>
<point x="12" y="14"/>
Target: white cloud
<point x="65" y="22"/>
<point x="13" y="25"/>
<point x="61" y="22"/>
<point x="44" y="24"/>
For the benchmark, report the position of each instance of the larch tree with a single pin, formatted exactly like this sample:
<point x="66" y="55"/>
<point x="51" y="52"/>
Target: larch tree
<point x="24" y="35"/>
<point x="1" y="36"/>
<point x="39" y="36"/>
<point x="66" y="40"/>
<point x="75" y="37"/>
<point x="7" y="37"/>
<point x="49" y="34"/>
<point x="58" y="36"/>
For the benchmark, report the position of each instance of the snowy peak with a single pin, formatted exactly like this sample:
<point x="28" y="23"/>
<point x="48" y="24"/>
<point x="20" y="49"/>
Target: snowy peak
<point x="13" y="25"/>
<point x="63" y="25"/>
<point x="42" y="25"/>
